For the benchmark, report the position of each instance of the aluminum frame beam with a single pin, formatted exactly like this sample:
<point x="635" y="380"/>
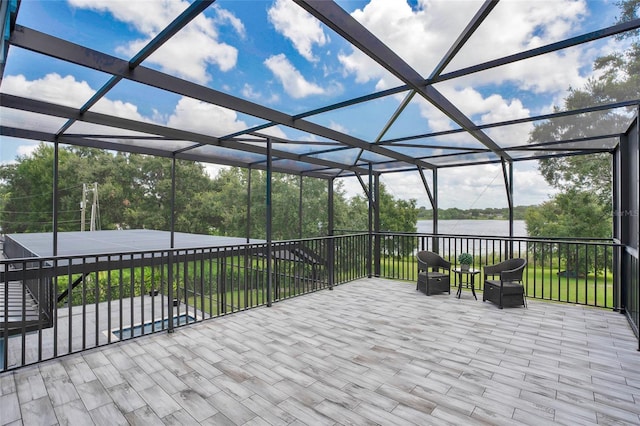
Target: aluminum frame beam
<point x="104" y="62"/>
<point x="564" y="44"/>
<point x="41" y="107"/>
<point x="595" y="108"/>
<point x="553" y="47"/>
<point x="355" y="33"/>
<point x="466" y="34"/>
<point x="195" y="9"/>
<point x="48" y="45"/>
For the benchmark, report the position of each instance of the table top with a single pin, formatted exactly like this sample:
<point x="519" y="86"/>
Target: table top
<point x="466" y="271"/>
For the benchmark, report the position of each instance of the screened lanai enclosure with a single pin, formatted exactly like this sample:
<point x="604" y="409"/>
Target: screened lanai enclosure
<point x="320" y="89"/>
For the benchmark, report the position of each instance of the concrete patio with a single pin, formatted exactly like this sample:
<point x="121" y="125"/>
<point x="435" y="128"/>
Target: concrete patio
<point x="369" y="352"/>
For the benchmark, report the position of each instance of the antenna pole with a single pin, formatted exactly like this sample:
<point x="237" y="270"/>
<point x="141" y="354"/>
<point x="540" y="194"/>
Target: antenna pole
<point x="83" y="205"/>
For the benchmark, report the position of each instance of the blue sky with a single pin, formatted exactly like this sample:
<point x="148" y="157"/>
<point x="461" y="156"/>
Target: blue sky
<point x="274" y="53"/>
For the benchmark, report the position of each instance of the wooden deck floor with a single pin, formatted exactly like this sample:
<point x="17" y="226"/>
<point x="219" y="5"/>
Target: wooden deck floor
<point x="369" y="352"/>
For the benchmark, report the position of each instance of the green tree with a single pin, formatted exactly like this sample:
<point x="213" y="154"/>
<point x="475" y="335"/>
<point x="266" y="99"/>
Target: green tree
<point x="569" y="214"/>
<point x="229" y="201"/>
<point x="134" y="191"/>
<point x="27" y="192"/>
<point x="397" y="215"/>
<point x="618" y="80"/>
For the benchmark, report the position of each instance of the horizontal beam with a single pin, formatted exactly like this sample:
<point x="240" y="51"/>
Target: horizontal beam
<point x="41" y="107"/>
<point x="45" y="44"/>
<point x="133" y="149"/>
<point x="332" y="15"/>
<point x="564" y="44"/>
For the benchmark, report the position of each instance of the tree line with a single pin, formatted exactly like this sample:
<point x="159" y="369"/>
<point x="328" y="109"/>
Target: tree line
<point x="135" y="193"/>
<point x="583" y="205"/>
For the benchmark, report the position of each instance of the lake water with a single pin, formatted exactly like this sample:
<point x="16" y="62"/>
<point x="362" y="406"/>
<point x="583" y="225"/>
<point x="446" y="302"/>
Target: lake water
<point x="494" y="228"/>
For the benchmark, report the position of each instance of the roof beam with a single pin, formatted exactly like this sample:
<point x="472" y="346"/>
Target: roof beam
<point x="468" y="31"/>
<point x="180" y="22"/>
<point x="41" y="107"/>
<point x="45" y="44"/>
<point x="133" y="149"/>
<point x="586" y="110"/>
<point x="564" y="44"/>
<point x="336" y="18"/>
<point x="581" y="39"/>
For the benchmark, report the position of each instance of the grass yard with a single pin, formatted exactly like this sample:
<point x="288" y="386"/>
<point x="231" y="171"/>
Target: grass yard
<point x="540" y="282"/>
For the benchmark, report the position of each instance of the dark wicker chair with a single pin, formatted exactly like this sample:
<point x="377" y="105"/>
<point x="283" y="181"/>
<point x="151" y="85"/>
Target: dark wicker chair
<point x="508" y="290"/>
<point x="433" y="273"/>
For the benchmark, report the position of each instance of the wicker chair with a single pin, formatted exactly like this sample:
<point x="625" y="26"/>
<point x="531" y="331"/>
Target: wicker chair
<point x="433" y="273"/>
<point x="508" y="290"/>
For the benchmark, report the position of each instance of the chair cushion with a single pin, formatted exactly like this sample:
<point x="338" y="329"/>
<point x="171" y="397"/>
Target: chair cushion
<point x="432" y="275"/>
<point x="508" y="287"/>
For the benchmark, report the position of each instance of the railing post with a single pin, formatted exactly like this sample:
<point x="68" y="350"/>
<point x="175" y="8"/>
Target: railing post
<point x="376" y="226"/>
<point x="618" y="268"/>
<point x="370" y="228"/>
<point x="268" y="231"/>
<point x="172" y="244"/>
<point x="331" y="238"/>
<point x="435" y="244"/>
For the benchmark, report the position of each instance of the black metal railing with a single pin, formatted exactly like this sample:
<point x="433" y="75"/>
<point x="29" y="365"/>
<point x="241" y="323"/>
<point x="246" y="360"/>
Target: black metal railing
<point x="630" y="293"/>
<point x="97" y="300"/>
<point x="573" y="271"/>
<point x="84" y="302"/>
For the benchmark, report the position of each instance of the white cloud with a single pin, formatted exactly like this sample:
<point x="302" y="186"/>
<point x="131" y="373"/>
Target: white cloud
<point x="51" y="88"/>
<point x="491" y="109"/>
<point x="224" y="16"/>
<point x="63" y="91"/>
<point x="249" y="92"/>
<point x="421" y="37"/>
<point x="297" y="25"/>
<point x="293" y="82"/>
<point x="189" y="114"/>
<point x="531" y="188"/>
<point x="274" y="131"/>
<point x="193" y="115"/>
<point x="479" y="186"/>
<point x="27" y="149"/>
<point x="190" y="51"/>
<point x="338" y="127"/>
<point x="11" y="147"/>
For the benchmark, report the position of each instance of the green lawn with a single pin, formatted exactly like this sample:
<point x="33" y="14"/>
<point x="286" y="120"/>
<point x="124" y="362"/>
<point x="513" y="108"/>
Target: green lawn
<point x="233" y="300"/>
<point x="543" y="283"/>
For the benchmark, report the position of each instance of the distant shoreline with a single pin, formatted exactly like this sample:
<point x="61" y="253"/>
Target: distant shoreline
<point x="492" y="227"/>
<point x="453" y="213"/>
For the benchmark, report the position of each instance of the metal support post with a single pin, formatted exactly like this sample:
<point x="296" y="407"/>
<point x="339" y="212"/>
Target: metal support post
<point x="376" y="225"/>
<point x="435" y="243"/>
<point x="331" y="238"/>
<point x="170" y="301"/>
<point x="268" y="219"/>
<point x="432" y="201"/>
<point x="508" y="184"/>
<point x="248" y="232"/>
<point x="300" y="209"/>
<point x="370" y="226"/>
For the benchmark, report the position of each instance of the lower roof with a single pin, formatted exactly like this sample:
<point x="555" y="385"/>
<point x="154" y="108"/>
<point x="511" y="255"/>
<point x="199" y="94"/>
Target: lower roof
<point x="114" y="241"/>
